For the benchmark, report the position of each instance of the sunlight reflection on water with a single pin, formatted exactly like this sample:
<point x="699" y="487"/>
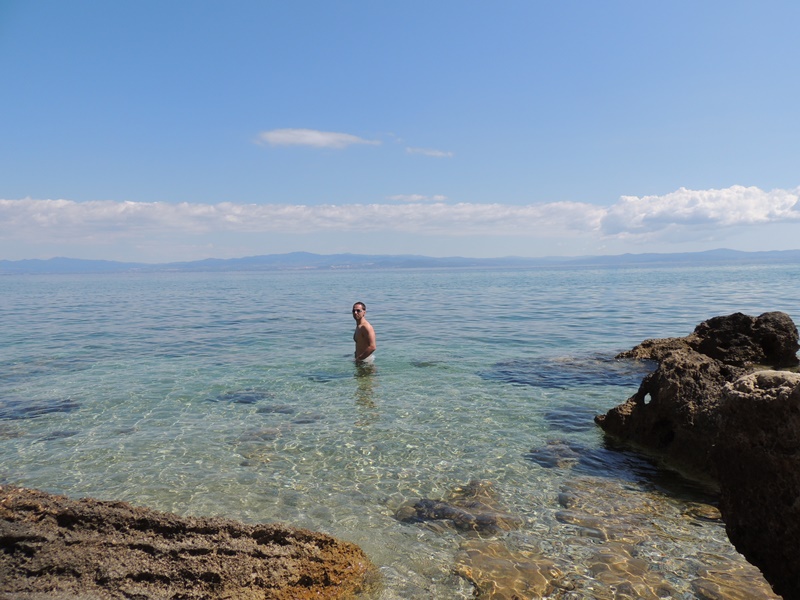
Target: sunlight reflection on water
<point x="234" y="394"/>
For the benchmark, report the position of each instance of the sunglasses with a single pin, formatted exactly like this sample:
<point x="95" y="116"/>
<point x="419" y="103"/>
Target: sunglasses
<point x="358" y="310"/>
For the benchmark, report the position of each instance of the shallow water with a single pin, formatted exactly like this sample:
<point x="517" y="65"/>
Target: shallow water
<point x="234" y="394"/>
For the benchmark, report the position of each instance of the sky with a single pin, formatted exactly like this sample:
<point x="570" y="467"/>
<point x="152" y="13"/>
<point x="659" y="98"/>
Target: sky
<point x="154" y="131"/>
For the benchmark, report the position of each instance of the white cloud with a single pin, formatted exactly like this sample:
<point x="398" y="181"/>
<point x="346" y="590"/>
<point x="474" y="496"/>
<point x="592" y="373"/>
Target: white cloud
<point x="430" y="152"/>
<point x="311" y="137"/>
<point x="683" y="216"/>
<point x="701" y="209"/>
<point x="66" y="218"/>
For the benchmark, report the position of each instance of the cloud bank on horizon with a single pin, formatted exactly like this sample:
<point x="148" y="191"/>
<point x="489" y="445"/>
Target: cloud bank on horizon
<point x="688" y="215"/>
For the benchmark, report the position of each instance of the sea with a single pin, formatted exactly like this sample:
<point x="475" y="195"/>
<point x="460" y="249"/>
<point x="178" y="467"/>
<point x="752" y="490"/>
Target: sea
<point x="234" y="394"/>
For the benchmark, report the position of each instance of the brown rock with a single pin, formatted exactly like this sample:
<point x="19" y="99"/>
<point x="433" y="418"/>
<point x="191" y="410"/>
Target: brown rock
<point x="758" y="463"/>
<point x="52" y="546"/>
<point x="737" y="339"/>
<point x="770" y="339"/>
<point x="675" y="410"/>
<point x="500" y="573"/>
<point x="709" y="408"/>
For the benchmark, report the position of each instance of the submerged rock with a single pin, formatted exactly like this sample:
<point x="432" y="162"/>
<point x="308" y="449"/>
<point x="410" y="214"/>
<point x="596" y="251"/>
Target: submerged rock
<point x="629" y="554"/>
<point x="52" y="546"/>
<point x="473" y="507"/>
<point x="607" y="510"/>
<point x="14" y="409"/>
<point x="732" y="582"/>
<point x="605" y="540"/>
<point x="564" y="372"/>
<point x="245" y="396"/>
<point x="500" y="573"/>
<point x="555" y="454"/>
<point x="618" y="568"/>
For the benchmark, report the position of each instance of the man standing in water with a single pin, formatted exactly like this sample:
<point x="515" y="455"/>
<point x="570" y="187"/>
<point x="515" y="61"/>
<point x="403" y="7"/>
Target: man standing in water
<point x="364" y="336"/>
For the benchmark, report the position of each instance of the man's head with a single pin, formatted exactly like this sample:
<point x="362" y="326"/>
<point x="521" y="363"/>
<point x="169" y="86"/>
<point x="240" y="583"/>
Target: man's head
<point x="359" y="309"/>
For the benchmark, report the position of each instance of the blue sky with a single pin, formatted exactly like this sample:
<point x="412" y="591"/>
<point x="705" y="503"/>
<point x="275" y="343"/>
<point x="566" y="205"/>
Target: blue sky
<point x="159" y="131"/>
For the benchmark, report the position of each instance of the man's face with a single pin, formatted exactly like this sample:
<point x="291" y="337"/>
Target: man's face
<point x="358" y="312"/>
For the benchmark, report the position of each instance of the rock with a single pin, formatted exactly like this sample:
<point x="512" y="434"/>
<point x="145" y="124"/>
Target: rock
<point x="770" y="339"/>
<point x="473" y="507"/>
<point x="55" y="547"/>
<point x="702" y="512"/>
<point x="617" y="567"/>
<point x="555" y="454"/>
<point x="630" y="556"/>
<point x="501" y="573"/>
<point x="737" y="339"/>
<point x="607" y="543"/>
<point x="711" y="408"/>
<point x="675" y="411"/>
<point x="736" y="582"/>
<point x="758" y="464"/>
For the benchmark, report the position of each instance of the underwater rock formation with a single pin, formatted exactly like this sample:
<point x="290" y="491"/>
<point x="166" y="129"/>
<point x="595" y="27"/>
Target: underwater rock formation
<point x="55" y="547"/>
<point x="498" y="572"/>
<point x="473" y="507"/>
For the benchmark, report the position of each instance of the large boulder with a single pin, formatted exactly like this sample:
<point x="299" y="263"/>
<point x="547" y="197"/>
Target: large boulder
<point x="713" y="409"/>
<point x="675" y="410"/>
<point x="55" y="547"/>
<point x="757" y="458"/>
<point x="769" y="339"/>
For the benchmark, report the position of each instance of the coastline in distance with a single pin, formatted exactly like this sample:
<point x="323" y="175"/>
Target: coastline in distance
<point x="310" y="261"/>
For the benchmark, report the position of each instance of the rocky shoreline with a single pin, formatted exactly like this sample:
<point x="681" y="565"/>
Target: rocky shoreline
<point x="722" y="405"/>
<point x="57" y="548"/>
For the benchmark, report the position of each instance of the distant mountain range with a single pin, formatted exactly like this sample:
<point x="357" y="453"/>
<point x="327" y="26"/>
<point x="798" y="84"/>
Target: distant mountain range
<point x="309" y="261"/>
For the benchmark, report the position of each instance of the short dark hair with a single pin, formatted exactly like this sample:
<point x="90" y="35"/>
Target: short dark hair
<point x="364" y="306"/>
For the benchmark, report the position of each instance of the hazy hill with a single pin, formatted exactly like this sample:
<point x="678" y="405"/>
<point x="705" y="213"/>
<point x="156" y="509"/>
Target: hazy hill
<point x="309" y="261"/>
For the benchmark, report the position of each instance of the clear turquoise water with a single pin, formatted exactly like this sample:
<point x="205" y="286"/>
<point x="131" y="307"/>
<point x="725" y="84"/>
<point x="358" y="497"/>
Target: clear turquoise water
<point x="234" y="394"/>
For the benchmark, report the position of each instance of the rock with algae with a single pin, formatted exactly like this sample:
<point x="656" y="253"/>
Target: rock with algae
<point x="58" y="548"/>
